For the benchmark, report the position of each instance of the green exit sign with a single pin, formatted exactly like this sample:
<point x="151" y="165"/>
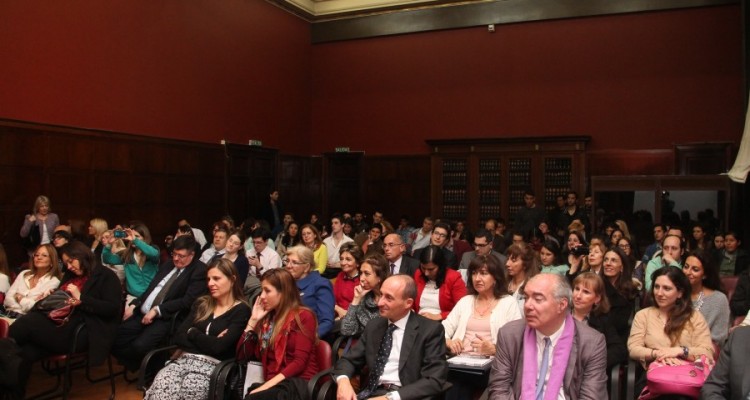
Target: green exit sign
<point x="342" y="149"/>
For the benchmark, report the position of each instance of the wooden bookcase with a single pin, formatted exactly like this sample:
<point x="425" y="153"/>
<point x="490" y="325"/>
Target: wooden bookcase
<point x="478" y="179"/>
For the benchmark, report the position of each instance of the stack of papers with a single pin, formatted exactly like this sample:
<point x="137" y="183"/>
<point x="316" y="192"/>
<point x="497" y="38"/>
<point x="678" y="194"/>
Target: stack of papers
<point x="469" y="361"/>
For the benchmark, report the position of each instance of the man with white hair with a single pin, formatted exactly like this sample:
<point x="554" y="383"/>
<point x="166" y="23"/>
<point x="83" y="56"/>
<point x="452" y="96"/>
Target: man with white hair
<point x="548" y="355"/>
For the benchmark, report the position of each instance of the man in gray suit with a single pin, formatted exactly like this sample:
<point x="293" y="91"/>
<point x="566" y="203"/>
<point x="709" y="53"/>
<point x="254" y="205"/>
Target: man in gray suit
<point x="482" y="247"/>
<point x="730" y="378"/>
<point x="549" y="354"/>
<point x="404" y="351"/>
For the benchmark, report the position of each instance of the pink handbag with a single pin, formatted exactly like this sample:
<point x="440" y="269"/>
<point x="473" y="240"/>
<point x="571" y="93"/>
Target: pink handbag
<point x="685" y="380"/>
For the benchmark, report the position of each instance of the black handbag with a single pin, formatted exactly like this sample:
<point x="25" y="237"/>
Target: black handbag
<point x="33" y="239"/>
<point x="57" y="306"/>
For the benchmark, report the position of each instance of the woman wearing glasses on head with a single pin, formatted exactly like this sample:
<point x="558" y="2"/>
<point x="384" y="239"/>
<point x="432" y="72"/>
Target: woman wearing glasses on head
<point x="316" y="291"/>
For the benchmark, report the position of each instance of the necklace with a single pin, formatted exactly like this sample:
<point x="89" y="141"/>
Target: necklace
<point x="664" y="323"/>
<point x="484" y="312"/>
<point x="698" y="302"/>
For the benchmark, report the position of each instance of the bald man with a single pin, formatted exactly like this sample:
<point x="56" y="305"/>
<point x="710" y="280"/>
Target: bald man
<point x="411" y="350"/>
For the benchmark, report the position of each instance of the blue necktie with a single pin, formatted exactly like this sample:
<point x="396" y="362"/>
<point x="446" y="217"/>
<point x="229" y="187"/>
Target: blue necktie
<point x="382" y="358"/>
<point x="543" y="370"/>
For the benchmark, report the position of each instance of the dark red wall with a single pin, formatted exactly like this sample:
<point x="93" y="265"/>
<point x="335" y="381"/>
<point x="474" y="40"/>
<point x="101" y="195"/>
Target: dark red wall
<point x="638" y="81"/>
<point x="200" y="70"/>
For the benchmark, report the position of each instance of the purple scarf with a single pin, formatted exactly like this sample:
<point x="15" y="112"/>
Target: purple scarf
<point x="560" y="358"/>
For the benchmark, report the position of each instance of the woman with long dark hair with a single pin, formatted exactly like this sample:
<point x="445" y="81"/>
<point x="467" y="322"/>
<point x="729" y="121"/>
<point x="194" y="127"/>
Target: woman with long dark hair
<point x="281" y="333"/>
<point x="705" y="294"/>
<point x="140" y="260"/>
<point x="96" y="298"/>
<point x="207" y="336"/>
<point x="439" y="288"/>
<point x="617" y="272"/>
<point x="522" y="264"/>
<point x="669" y="331"/>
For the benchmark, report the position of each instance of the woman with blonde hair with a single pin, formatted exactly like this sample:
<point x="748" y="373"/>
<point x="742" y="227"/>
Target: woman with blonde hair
<point x="312" y="240"/>
<point x="97" y="227"/>
<point x="592" y="261"/>
<point x="42" y="220"/>
<point x="281" y="333"/>
<point x="33" y="283"/>
<point x="206" y="337"/>
<point x="316" y="291"/>
<point x="590" y="305"/>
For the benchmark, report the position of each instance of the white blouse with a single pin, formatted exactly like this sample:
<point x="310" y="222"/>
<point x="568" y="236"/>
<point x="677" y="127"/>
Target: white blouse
<point x="22" y="286"/>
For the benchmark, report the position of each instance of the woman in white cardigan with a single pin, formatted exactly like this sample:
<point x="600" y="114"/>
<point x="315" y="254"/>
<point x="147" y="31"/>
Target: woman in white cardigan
<point x="43" y="277"/>
<point x="472" y="325"/>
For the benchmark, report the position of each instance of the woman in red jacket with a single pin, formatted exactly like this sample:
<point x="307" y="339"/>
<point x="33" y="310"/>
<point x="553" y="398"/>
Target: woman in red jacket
<point x="281" y="334"/>
<point x="439" y="288"/>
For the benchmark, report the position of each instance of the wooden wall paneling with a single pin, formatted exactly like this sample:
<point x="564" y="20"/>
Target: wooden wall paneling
<point x="342" y="174"/>
<point x="251" y="176"/>
<point x="300" y="186"/>
<point x="397" y="185"/>
<point x="118" y="177"/>
<point x="707" y="158"/>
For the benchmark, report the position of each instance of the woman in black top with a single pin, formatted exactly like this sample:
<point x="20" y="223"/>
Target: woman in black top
<point x="96" y="296"/>
<point x="206" y="337"/>
<point x="617" y="274"/>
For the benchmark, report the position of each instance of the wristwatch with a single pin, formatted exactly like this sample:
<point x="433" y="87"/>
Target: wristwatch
<point x="685" y="352"/>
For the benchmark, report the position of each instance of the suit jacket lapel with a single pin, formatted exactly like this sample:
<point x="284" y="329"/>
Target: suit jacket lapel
<point x="410" y="337"/>
<point x="377" y="337"/>
<point x="572" y="362"/>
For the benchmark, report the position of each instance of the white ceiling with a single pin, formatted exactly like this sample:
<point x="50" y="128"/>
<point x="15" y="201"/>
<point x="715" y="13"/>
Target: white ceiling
<point x="333" y="9"/>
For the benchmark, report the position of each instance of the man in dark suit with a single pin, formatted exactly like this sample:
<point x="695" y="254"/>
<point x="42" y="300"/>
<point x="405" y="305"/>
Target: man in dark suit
<point x="573" y="362"/>
<point x="730" y="378"/>
<point x="405" y="352"/>
<point x="440" y="236"/>
<point x="482" y="247"/>
<point x="173" y="290"/>
<point x="398" y="262"/>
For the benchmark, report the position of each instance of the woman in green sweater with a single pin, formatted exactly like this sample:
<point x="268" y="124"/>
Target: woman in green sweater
<point x="141" y="261"/>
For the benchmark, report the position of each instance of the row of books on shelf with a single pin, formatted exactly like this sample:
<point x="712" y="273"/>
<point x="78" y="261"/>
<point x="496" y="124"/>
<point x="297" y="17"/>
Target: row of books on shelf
<point x="489" y="178"/>
<point x="454" y="196"/>
<point x="454" y="165"/>
<point x="489" y="196"/>
<point x="562" y="178"/>
<point x="489" y="166"/>
<point x="486" y="211"/>
<point x="454" y="179"/>
<point x="519" y="178"/>
<point x="520" y="164"/>
<point x="458" y="211"/>
<point x="558" y="164"/>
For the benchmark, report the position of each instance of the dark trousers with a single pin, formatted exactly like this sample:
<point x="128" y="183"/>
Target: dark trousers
<point x="39" y="337"/>
<point x="134" y="339"/>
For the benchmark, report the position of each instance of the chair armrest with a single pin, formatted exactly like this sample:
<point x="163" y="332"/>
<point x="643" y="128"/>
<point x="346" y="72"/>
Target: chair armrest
<point x="219" y="376"/>
<point x="145" y="362"/>
<point x="630" y="388"/>
<point x="327" y="391"/>
<point x="318" y="379"/>
<point x="616" y="375"/>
